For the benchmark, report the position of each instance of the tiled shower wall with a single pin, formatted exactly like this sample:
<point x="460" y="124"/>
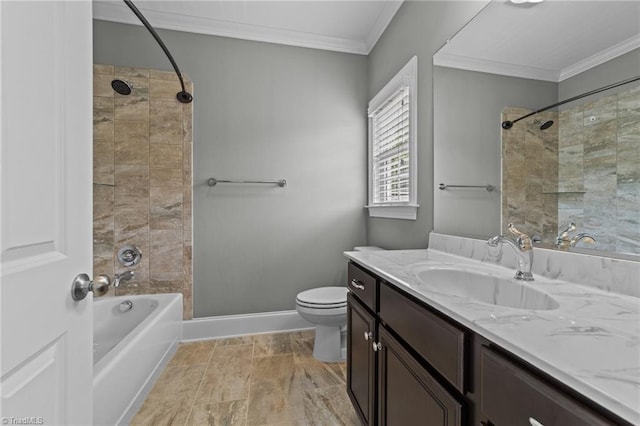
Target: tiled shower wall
<point x="597" y="154"/>
<point x="142" y="181"/>
<point x="599" y="185"/>
<point x="530" y="175"/>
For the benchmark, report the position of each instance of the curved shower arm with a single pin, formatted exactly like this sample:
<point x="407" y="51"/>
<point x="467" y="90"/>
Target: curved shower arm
<point x="183" y="96"/>
<point x="509" y="124"/>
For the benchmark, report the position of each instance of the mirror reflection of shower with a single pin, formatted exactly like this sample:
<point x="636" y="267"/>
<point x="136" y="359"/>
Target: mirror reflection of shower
<point x="543" y="124"/>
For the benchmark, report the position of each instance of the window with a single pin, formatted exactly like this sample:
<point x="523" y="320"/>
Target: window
<point x="392" y="147"/>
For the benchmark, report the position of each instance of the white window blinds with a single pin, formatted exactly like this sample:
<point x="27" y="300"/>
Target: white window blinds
<point x="390" y="146"/>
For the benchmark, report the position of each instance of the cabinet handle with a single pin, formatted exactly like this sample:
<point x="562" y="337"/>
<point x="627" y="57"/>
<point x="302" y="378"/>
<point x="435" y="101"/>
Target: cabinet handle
<point x="534" y="422"/>
<point x="356" y="284"/>
<point x="377" y="346"/>
<point x="368" y="335"/>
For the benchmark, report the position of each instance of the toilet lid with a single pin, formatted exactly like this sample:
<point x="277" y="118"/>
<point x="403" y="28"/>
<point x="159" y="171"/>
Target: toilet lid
<point x="324" y="296"/>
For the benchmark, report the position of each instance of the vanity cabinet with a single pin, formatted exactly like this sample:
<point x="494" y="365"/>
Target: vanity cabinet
<point x="408" y="364"/>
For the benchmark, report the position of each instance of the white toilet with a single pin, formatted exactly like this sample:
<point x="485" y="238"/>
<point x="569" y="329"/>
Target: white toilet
<point x="326" y="307"/>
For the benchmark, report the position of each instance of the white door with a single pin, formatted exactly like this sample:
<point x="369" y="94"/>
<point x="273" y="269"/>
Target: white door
<point x="46" y="211"/>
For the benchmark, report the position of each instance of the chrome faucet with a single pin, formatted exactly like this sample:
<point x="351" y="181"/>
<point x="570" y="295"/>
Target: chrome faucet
<point x="125" y="276"/>
<point x="564" y="240"/>
<point x="523" y="249"/>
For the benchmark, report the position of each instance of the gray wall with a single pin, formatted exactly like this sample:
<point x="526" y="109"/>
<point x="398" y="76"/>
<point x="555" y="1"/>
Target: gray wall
<point x="617" y="69"/>
<point x="419" y="28"/>
<point x="467" y="144"/>
<point x="264" y="111"/>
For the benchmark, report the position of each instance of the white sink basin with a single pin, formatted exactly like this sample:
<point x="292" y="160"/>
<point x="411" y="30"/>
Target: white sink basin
<point x="484" y="287"/>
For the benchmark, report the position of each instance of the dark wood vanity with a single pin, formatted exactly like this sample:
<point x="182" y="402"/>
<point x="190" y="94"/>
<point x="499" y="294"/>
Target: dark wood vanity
<point x="408" y="364"/>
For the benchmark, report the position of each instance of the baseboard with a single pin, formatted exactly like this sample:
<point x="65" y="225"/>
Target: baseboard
<point x="240" y="325"/>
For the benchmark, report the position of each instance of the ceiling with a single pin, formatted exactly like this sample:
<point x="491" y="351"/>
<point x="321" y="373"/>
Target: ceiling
<point x="343" y="26"/>
<point x="552" y="41"/>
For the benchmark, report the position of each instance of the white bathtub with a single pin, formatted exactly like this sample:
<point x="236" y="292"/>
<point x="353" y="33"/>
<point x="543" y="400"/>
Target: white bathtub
<point x="131" y="347"/>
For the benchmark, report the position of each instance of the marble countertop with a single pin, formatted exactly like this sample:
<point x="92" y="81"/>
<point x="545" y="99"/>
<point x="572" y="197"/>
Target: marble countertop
<point x="591" y="342"/>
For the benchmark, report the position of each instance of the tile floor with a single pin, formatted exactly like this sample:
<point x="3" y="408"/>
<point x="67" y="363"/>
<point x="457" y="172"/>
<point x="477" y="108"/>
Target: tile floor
<point x="269" y="379"/>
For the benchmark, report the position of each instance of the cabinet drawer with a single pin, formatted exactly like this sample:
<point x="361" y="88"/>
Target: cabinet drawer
<point x="363" y="286"/>
<point x="440" y="343"/>
<point x="512" y="396"/>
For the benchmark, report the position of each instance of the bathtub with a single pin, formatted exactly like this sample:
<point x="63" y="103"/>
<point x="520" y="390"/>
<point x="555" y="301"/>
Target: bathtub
<point x="134" y="338"/>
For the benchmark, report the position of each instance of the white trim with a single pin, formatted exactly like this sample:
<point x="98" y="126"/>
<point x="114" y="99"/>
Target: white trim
<point x="601" y="57"/>
<point x="491" y="67"/>
<point x="116" y="12"/>
<point x="243" y="324"/>
<point x="512" y="70"/>
<point x="407" y="76"/>
<point x="381" y="24"/>
<point x="407" y="211"/>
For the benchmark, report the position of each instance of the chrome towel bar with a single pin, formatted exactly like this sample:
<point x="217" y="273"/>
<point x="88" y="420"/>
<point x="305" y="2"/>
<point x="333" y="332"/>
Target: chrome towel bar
<point x="214" y="181"/>
<point x="444" y="186"/>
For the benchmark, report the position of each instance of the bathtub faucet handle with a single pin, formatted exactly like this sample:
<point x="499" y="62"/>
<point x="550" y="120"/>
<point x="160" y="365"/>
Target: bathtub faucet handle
<point x="125" y="276"/>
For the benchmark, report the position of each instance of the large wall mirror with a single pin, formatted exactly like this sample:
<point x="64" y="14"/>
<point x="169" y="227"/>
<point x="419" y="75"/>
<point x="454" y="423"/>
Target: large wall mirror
<point x="580" y="172"/>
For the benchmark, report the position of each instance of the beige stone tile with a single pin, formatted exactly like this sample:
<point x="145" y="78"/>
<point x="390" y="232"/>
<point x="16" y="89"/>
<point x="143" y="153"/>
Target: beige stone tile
<point x="316" y="374"/>
<point x="241" y="340"/>
<point x="166" y="178"/>
<point x="103" y="69"/>
<point x="131" y="142"/>
<point x="230" y="413"/>
<point x="302" y="345"/>
<point x="102" y="119"/>
<point x="187" y="304"/>
<point x="132" y="72"/>
<point x="165" y="90"/>
<point x="166" y="251"/>
<point x="160" y="412"/>
<point x="275" y="397"/>
<point x="272" y="344"/>
<point x="193" y="353"/>
<point x="165" y="120"/>
<point x="163" y="75"/>
<point x="102" y="85"/>
<point x="329" y="406"/>
<point x="165" y="156"/>
<point x="180" y="380"/>
<point x="227" y="376"/>
<point x="103" y="162"/>
<point x="165" y="208"/>
<point x="135" y="106"/>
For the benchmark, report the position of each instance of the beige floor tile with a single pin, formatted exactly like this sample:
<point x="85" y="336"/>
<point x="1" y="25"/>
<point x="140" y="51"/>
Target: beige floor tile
<point x="193" y="353"/>
<point x="161" y="413"/>
<point x="274" y="396"/>
<point x="329" y="406"/>
<point x="227" y="376"/>
<point x="242" y="340"/>
<point x="230" y="413"/>
<point x="272" y="344"/>
<point x="178" y="382"/>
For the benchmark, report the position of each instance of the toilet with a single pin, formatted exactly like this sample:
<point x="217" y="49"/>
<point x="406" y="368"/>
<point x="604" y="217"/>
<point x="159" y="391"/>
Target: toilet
<point x="326" y="307"/>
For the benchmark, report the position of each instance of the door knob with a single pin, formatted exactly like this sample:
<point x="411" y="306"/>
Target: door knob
<point x="368" y="335"/>
<point x="82" y="285"/>
<point x="377" y="346"/>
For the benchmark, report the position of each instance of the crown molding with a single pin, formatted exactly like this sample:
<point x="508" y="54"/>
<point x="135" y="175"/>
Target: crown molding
<point x="381" y="24"/>
<point x="482" y="65"/>
<point x="117" y="12"/>
<point x="601" y="57"/>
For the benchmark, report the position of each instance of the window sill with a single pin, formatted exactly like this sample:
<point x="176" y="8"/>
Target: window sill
<point x="404" y="211"/>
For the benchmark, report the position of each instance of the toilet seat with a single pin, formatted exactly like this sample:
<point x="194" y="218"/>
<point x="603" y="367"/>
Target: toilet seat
<point x="323" y="298"/>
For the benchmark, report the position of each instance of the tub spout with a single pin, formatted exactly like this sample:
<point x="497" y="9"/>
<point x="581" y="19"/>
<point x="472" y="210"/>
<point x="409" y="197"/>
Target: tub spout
<point x="125" y="276"/>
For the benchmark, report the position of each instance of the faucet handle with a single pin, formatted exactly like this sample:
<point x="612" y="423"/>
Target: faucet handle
<point x="524" y="242"/>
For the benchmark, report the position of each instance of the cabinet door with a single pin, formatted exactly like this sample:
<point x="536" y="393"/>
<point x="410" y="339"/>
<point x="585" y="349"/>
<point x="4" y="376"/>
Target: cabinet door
<point x="361" y="367"/>
<point x="408" y="394"/>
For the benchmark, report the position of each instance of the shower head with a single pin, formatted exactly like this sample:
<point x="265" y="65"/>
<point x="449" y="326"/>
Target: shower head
<point x="121" y="87"/>
<point x="544" y="124"/>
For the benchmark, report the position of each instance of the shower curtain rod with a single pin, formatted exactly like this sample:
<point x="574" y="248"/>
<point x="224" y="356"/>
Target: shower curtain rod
<point x="509" y="124"/>
<point x="183" y="96"/>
